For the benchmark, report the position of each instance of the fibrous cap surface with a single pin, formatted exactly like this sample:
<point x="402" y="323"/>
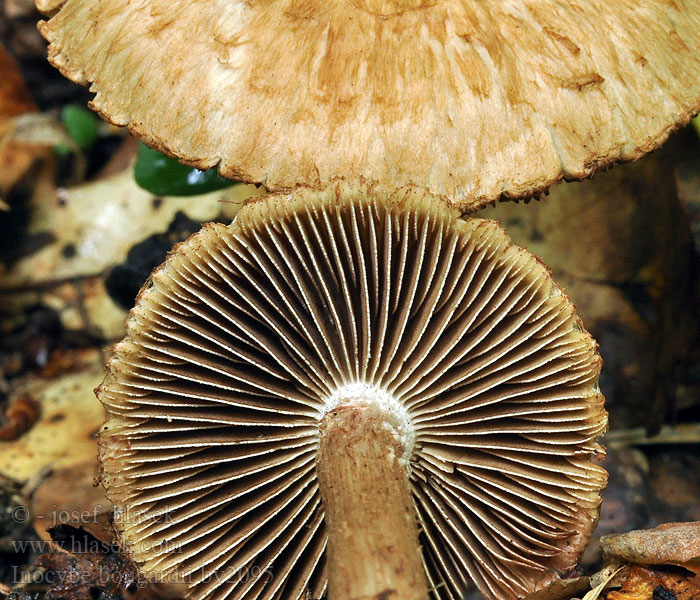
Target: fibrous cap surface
<point x="470" y="100"/>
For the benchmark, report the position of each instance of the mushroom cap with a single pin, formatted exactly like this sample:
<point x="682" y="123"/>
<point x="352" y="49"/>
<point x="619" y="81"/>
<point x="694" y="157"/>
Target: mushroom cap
<point x="470" y="100"/>
<point x="250" y="333"/>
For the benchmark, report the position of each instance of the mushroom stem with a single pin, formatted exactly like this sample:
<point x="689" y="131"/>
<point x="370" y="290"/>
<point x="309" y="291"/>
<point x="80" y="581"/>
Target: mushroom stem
<point x="373" y="550"/>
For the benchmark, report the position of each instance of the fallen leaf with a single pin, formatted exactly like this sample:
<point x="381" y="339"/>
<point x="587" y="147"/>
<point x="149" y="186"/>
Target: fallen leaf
<point x="15" y="98"/>
<point x="650" y="584"/>
<point x="68" y="496"/>
<point x="38" y="129"/>
<point x="88" y="562"/>
<point x="77" y="238"/>
<point x="93" y="226"/>
<point x="595" y="593"/>
<point x="16" y="157"/>
<point x="65" y="433"/>
<point x="669" y="544"/>
<point x="84" y="561"/>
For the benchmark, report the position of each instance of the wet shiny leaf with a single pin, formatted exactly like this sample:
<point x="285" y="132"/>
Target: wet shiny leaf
<point x="165" y="176"/>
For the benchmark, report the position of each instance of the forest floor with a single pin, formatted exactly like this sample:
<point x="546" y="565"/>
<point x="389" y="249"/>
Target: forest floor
<point x="78" y="238"/>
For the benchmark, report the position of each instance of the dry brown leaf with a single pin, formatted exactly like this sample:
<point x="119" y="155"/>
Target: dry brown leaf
<point x="15" y="98"/>
<point x="83" y="561"/>
<point x="16" y="157"/>
<point x="88" y="564"/>
<point x="669" y="544"/>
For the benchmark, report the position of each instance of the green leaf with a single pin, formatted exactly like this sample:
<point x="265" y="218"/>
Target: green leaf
<point x="164" y="176"/>
<point x="81" y="124"/>
<point x="696" y="124"/>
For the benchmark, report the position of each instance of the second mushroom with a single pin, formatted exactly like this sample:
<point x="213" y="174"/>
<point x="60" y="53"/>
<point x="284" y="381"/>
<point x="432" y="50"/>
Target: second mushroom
<point x="359" y="392"/>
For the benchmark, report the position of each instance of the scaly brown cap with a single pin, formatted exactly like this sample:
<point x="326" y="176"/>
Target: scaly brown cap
<point x="249" y="334"/>
<point x="470" y="100"/>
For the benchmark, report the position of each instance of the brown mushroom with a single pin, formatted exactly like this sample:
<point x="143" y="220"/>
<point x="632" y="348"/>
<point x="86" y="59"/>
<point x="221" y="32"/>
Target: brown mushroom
<point x="354" y="391"/>
<point x="472" y="101"/>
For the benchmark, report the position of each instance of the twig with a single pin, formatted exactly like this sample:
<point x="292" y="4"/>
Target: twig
<point x="669" y="434"/>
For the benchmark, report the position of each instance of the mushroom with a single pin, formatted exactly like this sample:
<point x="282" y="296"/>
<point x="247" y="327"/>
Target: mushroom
<point x="354" y="391"/>
<point x="472" y="101"/>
